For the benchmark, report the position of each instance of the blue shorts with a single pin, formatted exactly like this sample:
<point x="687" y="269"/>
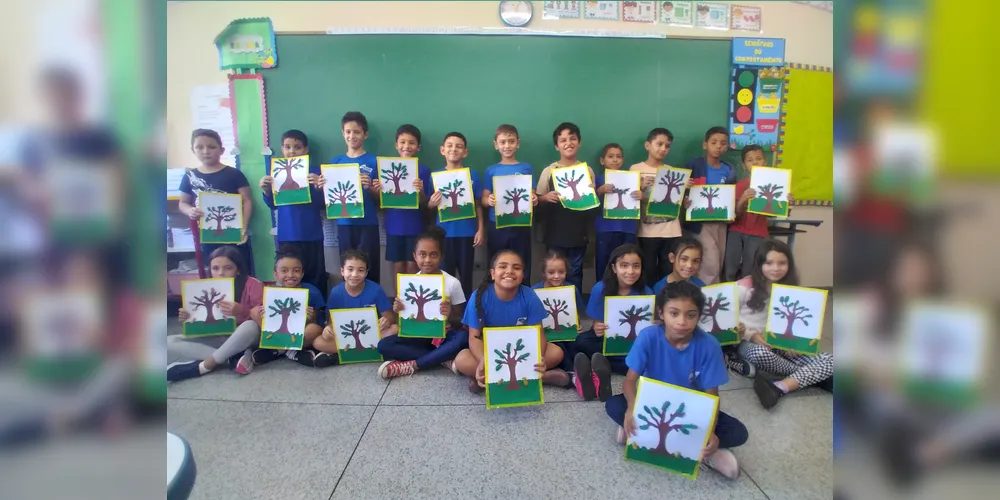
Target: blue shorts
<point x="399" y="248"/>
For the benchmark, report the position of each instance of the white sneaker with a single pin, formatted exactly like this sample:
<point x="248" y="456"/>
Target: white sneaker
<point x="724" y="462"/>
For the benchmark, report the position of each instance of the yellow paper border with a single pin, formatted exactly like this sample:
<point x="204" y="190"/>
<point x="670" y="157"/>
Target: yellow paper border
<point x="576" y="307"/>
<point x="708" y="433"/>
<point x="732" y="212"/>
<point x="444" y="296"/>
<point x="184" y="301"/>
<point x="468" y="178"/>
<point x="788" y="187"/>
<point x="531" y="208"/>
<point x="638" y="184"/>
<point x="589" y="179"/>
<point x="361" y="189"/>
<point x="239" y="210"/>
<point x="308" y="187"/>
<point x="381" y="192"/>
<point x="305" y="320"/>
<point x="735" y="305"/>
<point x="822" y="313"/>
<point x="604" y="346"/>
<point x="336" y="335"/>
<point x="486" y="370"/>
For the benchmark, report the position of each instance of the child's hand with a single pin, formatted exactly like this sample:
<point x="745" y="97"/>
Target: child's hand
<point x="629" y="423"/>
<point x="477" y="240"/>
<point x="792" y="353"/>
<point x="196" y="213"/>
<point x="636" y="195"/>
<point x="599" y="328"/>
<point x="756" y="338"/>
<point x="534" y="199"/>
<point x="435" y="200"/>
<point x="328" y="333"/>
<point x="481" y="374"/>
<point x="310" y="314"/>
<point x="740" y="328"/>
<point x="540" y="366"/>
<point x="383" y="324"/>
<point x="418" y="184"/>
<point x="445" y="308"/>
<point x="550" y="197"/>
<point x="265" y="182"/>
<point x="687" y="202"/>
<point x="183" y="315"/>
<point x="257" y="314"/>
<point x="376" y="185"/>
<point x="316" y="180"/>
<point x="492" y="201"/>
<point x="689" y="183"/>
<point x="605" y="189"/>
<point x="366" y="181"/>
<point x="747" y="195"/>
<point x="398" y="305"/>
<point x="646" y="181"/>
<point x="230" y="308"/>
<point x="711" y="447"/>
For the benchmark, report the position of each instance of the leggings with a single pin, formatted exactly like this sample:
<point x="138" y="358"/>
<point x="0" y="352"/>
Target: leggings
<point x="247" y="335"/>
<point x="807" y="370"/>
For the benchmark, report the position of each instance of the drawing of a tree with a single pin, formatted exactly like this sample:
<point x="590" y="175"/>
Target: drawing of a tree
<point x="570" y="181"/>
<point x="769" y="192"/>
<point x="620" y="191"/>
<point x="397" y="173"/>
<point x="343" y="193"/>
<point x="673" y="182"/>
<point x="515" y="196"/>
<point x="220" y="214"/>
<point x="632" y="316"/>
<point x="711" y="194"/>
<point x="208" y="300"/>
<point x="658" y="419"/>
<point x="420" y="297"/>
<point x="791" y="311"/>
<point x="712" y="307"/>
<point x="287" y="165"/>
<point x="355" y="329"/>
<point x="555" y="307"/>
<point x="510" y="359"/>
<point x="453" y="190"/>
<point x="284" y="307"/>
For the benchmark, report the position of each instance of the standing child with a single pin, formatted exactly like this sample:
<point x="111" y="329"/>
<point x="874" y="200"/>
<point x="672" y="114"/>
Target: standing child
<point x="502" y="301"/>
<point x="214" y="177"/>
<point x="611" y="233"/>
<point x="227" y="262"/>
<point x="677" y="352"/>
<point x="462" y="236"/>
<point x="713" y="170"/>
<point x="408" y="355"/>
<point x="300" y="227"/>
<point x="565" y="229"/>
<point x="772" y="264"/>
<point x="518" y="239"/>
<point x="685" y="261"/>
<point x="354" y="293"/>
<point x="623" y="277"/>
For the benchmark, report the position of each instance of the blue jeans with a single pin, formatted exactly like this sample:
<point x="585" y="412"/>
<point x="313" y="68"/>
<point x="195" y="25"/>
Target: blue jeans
<point x="605" y="244"/>
<point x="731" y="432"/>
<point x="589" y="343"/>
<point x="365" y="239"/>
<point x="574" y="255"/>
<point x="422" y="351"/>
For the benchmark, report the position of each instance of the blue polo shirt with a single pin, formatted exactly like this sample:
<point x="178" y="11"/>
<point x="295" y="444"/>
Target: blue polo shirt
<point x="660" y="285"/>
<point x="699" y="366"/>
<point x="465" y="228"/>
<point x="499" y="169"/>
<point x="525" y="309"/>
<point x="371" y="295"/>
<point x="699" y="166"/>
<point x="369" y="164"/>
<point x="603" y="225"/>
<point x="302" y="222"/>
<point x="407" y="222"/>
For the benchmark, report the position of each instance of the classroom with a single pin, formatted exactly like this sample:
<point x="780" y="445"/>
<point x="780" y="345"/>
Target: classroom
<point x="615" y="70"/>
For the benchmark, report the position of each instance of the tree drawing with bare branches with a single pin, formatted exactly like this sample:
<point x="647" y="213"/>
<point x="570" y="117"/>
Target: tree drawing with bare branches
<point x="710" y="194"/>
<point x="220" y="214"/>
<point x="514" y="197"/>
<point x="343" y="193"/>
<point x="355" y="329"/>
<point x="769" y="192"/>
<point x="791" y="312"/>
<point x="674" y="181"/>
<point x="208" y="300"/>
<point x="632" y="316"/>
<point x="452" y="191"/>
<point x="657" y="418"/>
<point x="620" y="191"/>
<point x="713" y="305"/>
<point x="397" y="172"/>
<point x="284" y="308"/>
<point x="568" y="180"/>
<point x="555" y="307"/>
<point x="287" y="165"/>
<point x="420" y="297"/>
<point x="510" y="359"/>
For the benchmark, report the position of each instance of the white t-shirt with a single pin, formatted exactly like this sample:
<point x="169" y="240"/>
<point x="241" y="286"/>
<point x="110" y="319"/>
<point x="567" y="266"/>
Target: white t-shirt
<point x="452" y="289"/>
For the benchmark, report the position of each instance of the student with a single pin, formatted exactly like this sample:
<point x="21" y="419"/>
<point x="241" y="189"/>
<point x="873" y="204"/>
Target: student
<point x="555" y="266"/>
<point x="409" y="355"/>
<point x="748" y="230"/>
<point x="361" y="233"/>
<point x="685" y="261"/>
<point x="611" y="233"/>
<point x="657" y="235"/>
<point x="300" y="227"/>
<point x="354" y="293"/>
<point x="565" y="230"/>
<point x="773" y="263"/>
<point x="517" y="239"/>
<point x="288" y="274"/>
<point x="214" y="177"/>
<point x="500" y="301"/>
<point x="403" y="225"/>
<point x="678" y="352"/>
<point x="462" y="236"/>
<point x="711" y="169"/>
<point x="623" y="277"/>
<point x="227" y="262"/>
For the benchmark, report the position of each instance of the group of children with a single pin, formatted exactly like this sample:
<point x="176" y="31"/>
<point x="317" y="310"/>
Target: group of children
<point x="664" y="262"/>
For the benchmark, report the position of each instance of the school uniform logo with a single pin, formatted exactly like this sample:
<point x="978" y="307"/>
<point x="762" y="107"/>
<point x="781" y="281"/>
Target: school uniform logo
<point x="693" y="379"/>
<point x="521" y="321"/>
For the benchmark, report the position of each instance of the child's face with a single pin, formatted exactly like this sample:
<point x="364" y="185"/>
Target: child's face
<point x="293" y="147"/>
<point x="454" y="150"/>
<point x="207" y="150"/>
<point x="354" y="272"/>
<point x="555" y="272"/>
<point x="680" y="317"/>
<point x="687" y="264"/>
<point x="912" y="274"/>
<point x="222" y="267"/>
<point x="775" y="267"/>
<point x="288" y="272"/>
<point x="354" y="135"/>
<point x="507" y="143"/>
<point x="427" y="255"/>
<point x="753" y="159"/>
<point x="613" y="159"/>
<point x="567" y="143"/>
<point x="658" y="147"/>
<point x="508" y="271"/>
<point x="407" y="145"/>
<point x="716" y="145"/>
<point x="628" y="268"/>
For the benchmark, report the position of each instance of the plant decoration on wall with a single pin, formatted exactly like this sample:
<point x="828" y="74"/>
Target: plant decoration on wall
<point x="247" y="44"/>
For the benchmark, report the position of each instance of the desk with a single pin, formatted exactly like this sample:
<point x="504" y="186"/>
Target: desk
<point x="181" y="470"/>
<point x="792" y="229"/>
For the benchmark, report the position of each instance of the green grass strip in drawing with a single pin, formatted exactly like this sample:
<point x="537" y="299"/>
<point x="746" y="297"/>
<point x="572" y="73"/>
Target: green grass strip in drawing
<point x="617" y="346"/>
<point x="661" y="209"/>
<point x="467" y="211"/>
<point x="675" y="463"/>
<point x="584" y="203"/>
<point x="952" y="394"/>
<point x="405" y="200"/>
<point x="798" y="344"/>
<point x="272" y="340"/>
<point x="616" y="213"/>
<point x="224" y="326"/>
<point x="228" y="235"/>
<point x="430" y="329"/>
<point x="345" y="211"/>
<point x="760" y="205"/>
<point x="502" y="393"/>
<point x="352" y="355"/>
<point x="562" y="334"/>
<point x="293" y="197"/>
<point x="509" y="220"/>
<point x="702" y="214"/>
<point x="727" y="337"/>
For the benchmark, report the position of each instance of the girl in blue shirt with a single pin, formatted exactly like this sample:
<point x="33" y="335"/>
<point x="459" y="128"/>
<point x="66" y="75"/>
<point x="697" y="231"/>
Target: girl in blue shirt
<point x="501" y="301"/>
<point x="356" y="292"/>
<point x="685" y="261"/>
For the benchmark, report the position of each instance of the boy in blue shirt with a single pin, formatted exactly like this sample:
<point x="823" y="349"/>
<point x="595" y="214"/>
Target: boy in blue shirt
<point x="518" y="239"/>
<point x="677" y="352"/>
<point x="710" y="169"/>
<point x="300" y="227"/>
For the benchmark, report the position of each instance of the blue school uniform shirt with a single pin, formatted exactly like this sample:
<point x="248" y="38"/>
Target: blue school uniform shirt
<point x="499" y="169"/>
<point x="595" y="308"/>
<point x="602" y="225"/>
<point x="368" y="164"/>
<point x="722" y="175"/>
<point x="315" y="301"/>
<point x="403" y="222"/>
<point x="660" y="285"/>
<point x="302" y="222"/>
<point x="579" y="296"/>
<point x="524" y="309"/>
<point x="465" y="228"/>
<point x="699" y="366"/>
<point x="371" y="295"/>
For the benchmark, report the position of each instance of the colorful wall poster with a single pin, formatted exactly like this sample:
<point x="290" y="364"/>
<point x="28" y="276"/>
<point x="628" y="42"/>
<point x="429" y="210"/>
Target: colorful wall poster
<point x="756" y="89"/>
<point x="745" y="18"/>
<point x="677" y="13"/>
<point x="639" y="12"/>
<point x="560" y="10"/>
<point x="601" y="10"/>
<point x="711" y="15"/>
<point x="247" y="44"/>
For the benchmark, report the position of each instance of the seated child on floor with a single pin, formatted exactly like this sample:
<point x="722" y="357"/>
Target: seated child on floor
<point x="354" y="293"/>
<point x="686" y="263"/>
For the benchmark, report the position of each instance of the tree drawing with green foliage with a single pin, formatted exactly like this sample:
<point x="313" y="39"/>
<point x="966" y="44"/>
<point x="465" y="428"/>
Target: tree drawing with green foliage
<point x="284" y="308"/>
<point x="657" y="418"/>
<point x="710" y="194"/>
<point x="343" y="193"/>
<point x="510" y="359"/>
<point x="712" y="307"/>
<point x="514" y="197"/>
<point x="568" y="180"/>
<point x="220" y="214"/>
<point x="632" y="316"/>
<point x="620" y="191"/>
<point x="452" y="191"/>
<point x="397" y="173"/>
<point x="555" y="307"/>
<point x="674" y="181"/>
<point x="355" y="329"/>
<point x="419" y="297"/>
<point x="791" y="312"/>
<point x="769" y="192"/>
<point x="287" y="165"/>
<point x="208" y="300"/>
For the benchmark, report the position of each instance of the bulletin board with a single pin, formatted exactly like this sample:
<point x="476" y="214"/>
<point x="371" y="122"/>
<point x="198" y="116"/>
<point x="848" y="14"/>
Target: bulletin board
<point x="805" y="141"/>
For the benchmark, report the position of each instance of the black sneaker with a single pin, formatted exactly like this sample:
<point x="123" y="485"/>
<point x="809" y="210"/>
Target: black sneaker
<point x="826" y="385"/>
<point x="324" y="359"/>
<point x="741" y="366"/>
<point x="264" y="356"/>
<point x="585" y="385"/>
<point x="305" y="357"/>
<point x="767" y="392"/>
<point x="183" y="370"/>
<point x="602" y="369"/>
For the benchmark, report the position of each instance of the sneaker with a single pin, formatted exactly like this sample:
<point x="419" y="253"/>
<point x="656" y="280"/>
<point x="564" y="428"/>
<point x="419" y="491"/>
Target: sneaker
<point x="450" y="365"/>
<point x="767" y="392"/>
<point x="724" y="462"/>
<point x="305" y="357"/>
<point x="392" y="369"/>
<point x="620" y="437"/>
<point x="183" y="370"/>
<point x="581" y="366"/>
<point x="474" y="386"/>
<point x="324" y="359"/>
<point x="741" y="367"/>
<point x="602" y="370"/>
<point x="264" y="356"/>
<point x="242" y="363"/>
<point x="556" y="377"/>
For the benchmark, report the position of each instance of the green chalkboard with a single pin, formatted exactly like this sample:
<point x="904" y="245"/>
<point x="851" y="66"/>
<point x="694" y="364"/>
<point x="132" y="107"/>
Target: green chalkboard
<point x="614" y="89"/>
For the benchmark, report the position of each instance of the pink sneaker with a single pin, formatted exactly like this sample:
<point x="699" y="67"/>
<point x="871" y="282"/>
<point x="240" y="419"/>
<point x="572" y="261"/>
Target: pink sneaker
<point x="391" y="369"/>
<point x="581" y="367"/>
<point x="724" y="462"/>
<point x="245" y="365"/>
